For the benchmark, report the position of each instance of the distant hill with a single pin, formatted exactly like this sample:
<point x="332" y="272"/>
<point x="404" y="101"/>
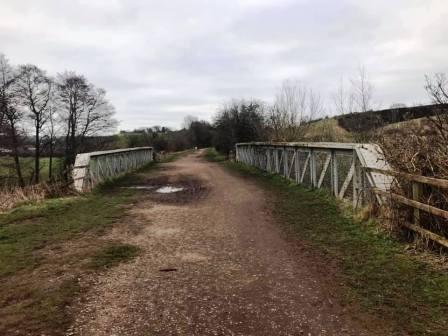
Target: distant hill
<point x="370" y="120"/>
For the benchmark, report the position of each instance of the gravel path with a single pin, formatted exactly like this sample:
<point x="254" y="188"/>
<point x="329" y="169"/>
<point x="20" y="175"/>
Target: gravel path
<point x="212" y="265"/>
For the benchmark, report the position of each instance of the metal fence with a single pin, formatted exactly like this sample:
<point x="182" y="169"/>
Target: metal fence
<point x="96" y="167"/>
<point x="336" y="167"/>
<point x="356" y="172"/>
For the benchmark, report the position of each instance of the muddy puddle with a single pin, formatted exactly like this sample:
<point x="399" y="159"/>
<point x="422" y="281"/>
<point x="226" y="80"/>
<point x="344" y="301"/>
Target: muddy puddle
<point x="169" y="189"/>
<point x="139" y="187"/>
<point x="172" y="189"/>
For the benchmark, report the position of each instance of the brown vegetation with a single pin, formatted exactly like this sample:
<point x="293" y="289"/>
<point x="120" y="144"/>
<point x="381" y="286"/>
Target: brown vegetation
<point x="421" y="148"/>
<point x="11" y="197"/>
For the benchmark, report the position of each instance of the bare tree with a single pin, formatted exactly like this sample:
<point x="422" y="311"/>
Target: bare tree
<point x="51" y="131"/>
<point x="362" y="91"/>
<point x="5" y="81"/>
<point x="85" y="111"/>
<point x="188" y="120"/>
<point x="97" y="114"/>
<point x="437" y="88"/>
<point x="33" y="88"/>
<point x="294" y="106"/>
<point x="10" y="116"/>
<point x="343" y="99"/>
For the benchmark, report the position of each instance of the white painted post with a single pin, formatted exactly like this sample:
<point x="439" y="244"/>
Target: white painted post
<point x="334" y="174"/>
<point x="285" y="162"/>
<point x="313" y="168"/>
<point x="277" y="163"/>
<point x="297" y="166"/>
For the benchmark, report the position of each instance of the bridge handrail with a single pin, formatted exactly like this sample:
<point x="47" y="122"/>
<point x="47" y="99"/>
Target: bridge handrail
<point x="273" y="156"/>
<point x="369" y="174"/>
<point x="95" y="167"/>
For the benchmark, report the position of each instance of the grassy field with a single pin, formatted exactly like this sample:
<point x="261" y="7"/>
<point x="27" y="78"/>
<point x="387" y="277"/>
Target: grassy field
<point x="327" y="130"/>
<point x="8" y="173"/>
<point x="373" y="269"/>
<point x="47" y="248"/>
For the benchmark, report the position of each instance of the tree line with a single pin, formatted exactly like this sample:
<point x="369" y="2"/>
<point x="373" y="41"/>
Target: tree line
<point x="66" y="108"/>
<point x="66" y="114"/>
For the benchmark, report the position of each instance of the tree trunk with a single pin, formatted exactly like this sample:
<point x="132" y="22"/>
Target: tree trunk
<point x="37" y="154"/>
<point x="50" y="161"/>
<point x="15" y="147"/>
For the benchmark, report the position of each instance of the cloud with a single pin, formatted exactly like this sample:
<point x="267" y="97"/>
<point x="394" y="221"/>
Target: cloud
<point x="162" y="60"/>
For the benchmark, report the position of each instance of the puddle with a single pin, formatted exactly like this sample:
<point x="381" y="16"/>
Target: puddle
<point x="179" y="189"/>
<point x="161" y="190"/>
<point x="169" y="189"/>
<point x="139" y="187"/>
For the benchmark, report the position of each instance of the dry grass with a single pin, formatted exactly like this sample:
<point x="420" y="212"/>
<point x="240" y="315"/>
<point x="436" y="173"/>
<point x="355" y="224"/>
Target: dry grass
<point x="327" y="130"/>
<point x="12" y="197"/>
<point x="421" y="150"/>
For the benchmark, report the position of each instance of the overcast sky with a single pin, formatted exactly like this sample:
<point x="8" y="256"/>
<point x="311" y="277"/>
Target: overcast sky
<point x="162" y="60"/>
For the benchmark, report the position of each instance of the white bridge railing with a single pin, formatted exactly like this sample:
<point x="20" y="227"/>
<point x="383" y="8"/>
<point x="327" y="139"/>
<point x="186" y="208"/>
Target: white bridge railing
<point x="338" y="167"/>
<point x="96" y="167"/>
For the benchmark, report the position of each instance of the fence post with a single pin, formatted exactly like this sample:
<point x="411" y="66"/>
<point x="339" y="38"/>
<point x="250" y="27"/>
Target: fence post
<point x="297" y="166"/>
<point x="268" y="159"/>
<point x="285" y="162"/>
<point x="416" y="193"/>
<point x="357" y="197"/>
<point x="334" y="174"/>
<point x="313" y="168"/>
<point x="277" y="163"/>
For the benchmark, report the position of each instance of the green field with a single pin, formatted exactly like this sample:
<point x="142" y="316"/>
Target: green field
<point x="8" y="171"/>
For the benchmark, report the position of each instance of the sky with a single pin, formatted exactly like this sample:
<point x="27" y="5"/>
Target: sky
<point x="163" y="60"/>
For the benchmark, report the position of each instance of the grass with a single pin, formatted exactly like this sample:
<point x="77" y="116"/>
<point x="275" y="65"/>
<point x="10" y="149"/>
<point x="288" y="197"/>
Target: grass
<point x="327" y="130"/>
<point x="45" y="246"/>
<point x="373" y="267"/>
<point x="29" y="228"/>
<point x="213" y="156"/>
<point x="8" y="173"/>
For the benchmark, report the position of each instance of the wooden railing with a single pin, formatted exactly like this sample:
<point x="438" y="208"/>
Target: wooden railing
<point x="415" y="203"/>
<point x="96" y="167"/>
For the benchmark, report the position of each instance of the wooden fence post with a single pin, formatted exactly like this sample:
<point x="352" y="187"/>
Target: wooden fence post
<point x="416" y="193"/>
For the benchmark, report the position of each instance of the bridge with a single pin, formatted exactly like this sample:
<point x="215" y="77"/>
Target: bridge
<point x="358" y="173"/>
<point x="189" y="246"/>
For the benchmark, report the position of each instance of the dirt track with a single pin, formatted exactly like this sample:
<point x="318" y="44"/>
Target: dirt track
<point x="233" y="273"/>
